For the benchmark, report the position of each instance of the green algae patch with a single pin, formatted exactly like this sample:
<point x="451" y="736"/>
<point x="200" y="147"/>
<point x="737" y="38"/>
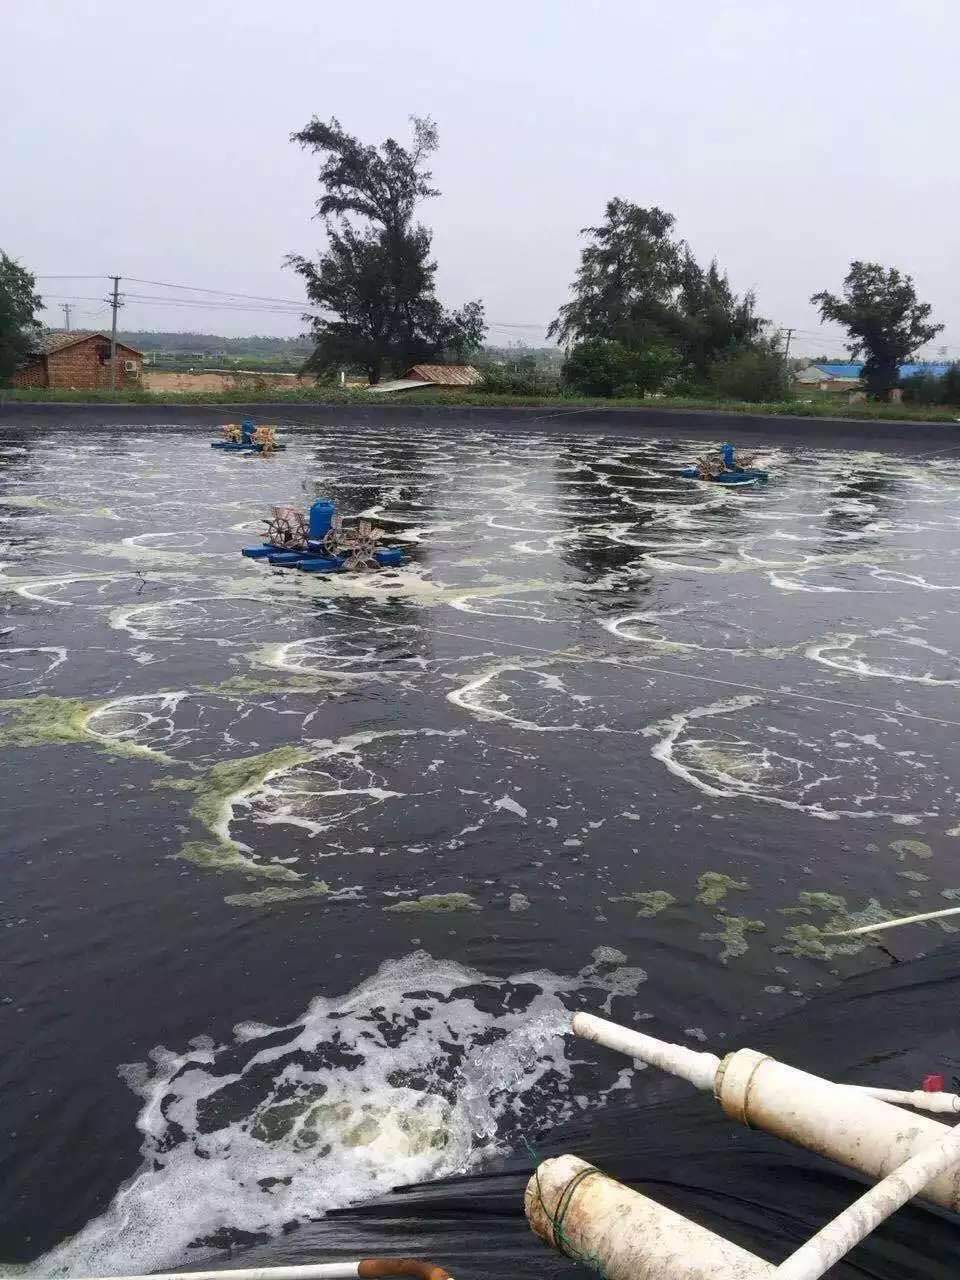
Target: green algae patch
<point x="820" y="942"/>
<point x="519" y="902"/>
<point x="714" y="887"/>
<point x="240" y="685"/>
<point x="43" y="720"/>
<point x="277" y="893"/>
<point x="649" y="902"/>
<point x="32" y="502"/>
<point x="231" y="780"/>
<point x="733" y="933"/>
<point x="911" y="848"/>
<point x="170" y="783"/>
<point x="440" y="903"/>
<point x="222" y="855"/>
<point x="216" y="792"/>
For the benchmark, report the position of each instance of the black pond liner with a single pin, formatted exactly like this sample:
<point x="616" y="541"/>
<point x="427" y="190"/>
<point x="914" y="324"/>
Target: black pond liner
<point x="890" y="1028"/>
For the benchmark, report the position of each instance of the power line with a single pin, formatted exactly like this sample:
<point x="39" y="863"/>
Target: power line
<point x="223" y="293"/>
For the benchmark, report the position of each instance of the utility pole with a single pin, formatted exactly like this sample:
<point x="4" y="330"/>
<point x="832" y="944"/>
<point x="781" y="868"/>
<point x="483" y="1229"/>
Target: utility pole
<point x="66" y="311"/>
<point x="788" y="334"/>
<point x="115" y="303"/>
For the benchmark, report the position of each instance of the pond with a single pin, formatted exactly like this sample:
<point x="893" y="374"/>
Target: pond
<point x="302" y="874"/>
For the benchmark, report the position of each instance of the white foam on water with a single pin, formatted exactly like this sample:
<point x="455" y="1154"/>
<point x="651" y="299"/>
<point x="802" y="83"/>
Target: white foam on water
<point x="324" y="792"/>
<point x="483" y="698"/>
<point x="906" y="658"/>
<point x="146" y="719"/>
<point x="824" y="780"/>
<point x="17" y="671"/>
<point x="409" y="1077"/>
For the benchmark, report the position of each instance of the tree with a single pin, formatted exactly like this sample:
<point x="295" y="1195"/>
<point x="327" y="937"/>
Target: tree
<point x="628" y="275"/>
<point x="886" y="323"/>
<point x="376" y="279"/>
<point x="640" y="286"/>
<point x="19" y="329"/>
<point x="713" y="322"/>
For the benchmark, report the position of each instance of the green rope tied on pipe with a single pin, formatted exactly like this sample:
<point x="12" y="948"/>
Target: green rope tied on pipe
<point x="556" y="1218"/>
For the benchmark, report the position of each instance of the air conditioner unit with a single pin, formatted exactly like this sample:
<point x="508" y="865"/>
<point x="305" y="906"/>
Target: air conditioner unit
<point x="130" y="366"/>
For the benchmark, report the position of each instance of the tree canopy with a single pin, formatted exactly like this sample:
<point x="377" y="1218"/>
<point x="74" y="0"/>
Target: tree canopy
<point x="886" y="322"/>
<point x="19" y="329"/>
<point x="639" y="285"/>
<point x="375" y="282"/>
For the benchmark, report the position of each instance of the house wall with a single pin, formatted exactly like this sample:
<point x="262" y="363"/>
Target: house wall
<point x="34" y="375"/>
<point x="86" y="366"/>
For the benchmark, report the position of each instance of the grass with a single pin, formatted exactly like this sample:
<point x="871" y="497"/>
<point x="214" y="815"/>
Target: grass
<point x="813" y="407"/>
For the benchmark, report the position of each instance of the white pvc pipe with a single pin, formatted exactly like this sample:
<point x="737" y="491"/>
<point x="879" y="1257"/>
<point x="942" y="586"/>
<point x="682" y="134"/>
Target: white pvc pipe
<point x="699" y="1068"/>
<point x="919" y="1099"/>
<point x="625" y="1235"/>
<point x="312" y="1271"/>
<point x="833" y="1120"/>
<point x="363" y="1267"/>
<point x="846" y="1231"/>
<point x="895" y="924"/>
<point x="838" y="1121"/>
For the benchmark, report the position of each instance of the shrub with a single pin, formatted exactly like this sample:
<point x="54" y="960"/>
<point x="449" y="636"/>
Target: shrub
<point x="922" y="388"/>
<point x="519" y="381"/>
<point x="602" y="368"/>
<point x="757" y="375"/>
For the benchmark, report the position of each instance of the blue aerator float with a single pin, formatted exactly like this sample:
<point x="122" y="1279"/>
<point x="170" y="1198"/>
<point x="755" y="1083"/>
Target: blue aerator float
<point x="320" y="542"/>
<point x="722" y="466"/>
<point x="247" y="438"/>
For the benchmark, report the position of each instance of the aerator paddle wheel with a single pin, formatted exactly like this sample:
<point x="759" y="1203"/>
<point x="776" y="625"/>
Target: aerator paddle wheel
<point x="359" y="545"/>
<point x="287" y="528"/>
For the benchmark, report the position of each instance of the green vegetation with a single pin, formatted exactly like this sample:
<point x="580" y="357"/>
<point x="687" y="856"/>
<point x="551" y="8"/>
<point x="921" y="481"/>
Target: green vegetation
<point x="812" y="406"/>
<point x="755" y="375"/>
<point x="645" y="316"/>
<point x="886" y="322"/>
<point x="599" y="367"/>
<point x="376" y="278"/>
<point x="215" y="346"/>
<point x="19" y="327"/>
<point x="924" y="388"/>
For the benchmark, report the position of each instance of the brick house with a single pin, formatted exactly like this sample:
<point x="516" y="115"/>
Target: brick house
<point x="79" y="361"/>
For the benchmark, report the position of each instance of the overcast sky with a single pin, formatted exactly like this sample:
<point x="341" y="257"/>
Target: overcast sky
<point x="152" y="141"/>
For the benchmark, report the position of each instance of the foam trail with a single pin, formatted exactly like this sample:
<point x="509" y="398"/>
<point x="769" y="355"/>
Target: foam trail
<point x="389" y="1084"/>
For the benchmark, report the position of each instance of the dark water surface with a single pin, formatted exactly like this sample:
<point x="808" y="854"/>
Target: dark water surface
<point x="350" y="848"/>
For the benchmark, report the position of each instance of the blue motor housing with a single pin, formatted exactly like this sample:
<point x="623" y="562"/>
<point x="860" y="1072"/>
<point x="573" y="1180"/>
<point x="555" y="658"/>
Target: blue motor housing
<point x="321" y="518"/>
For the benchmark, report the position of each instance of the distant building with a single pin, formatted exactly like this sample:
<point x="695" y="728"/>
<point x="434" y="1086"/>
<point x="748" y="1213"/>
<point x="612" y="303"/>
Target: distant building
<point x="833" y="377"/>
<point x="432" y="375"/>
<point x="840" y="376"/>
<point x="79" y="361"/>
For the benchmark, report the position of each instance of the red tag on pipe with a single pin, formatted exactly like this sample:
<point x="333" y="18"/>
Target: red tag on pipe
<point x="934" y="1084"/>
